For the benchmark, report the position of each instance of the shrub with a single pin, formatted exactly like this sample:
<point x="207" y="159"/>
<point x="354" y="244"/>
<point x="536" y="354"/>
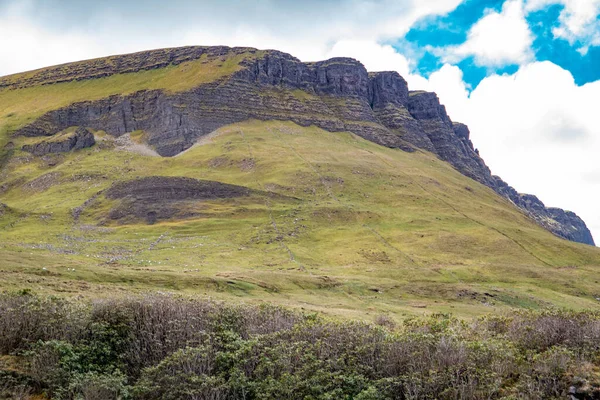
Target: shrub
<point x="545" y="375"/>
<point x="167" y="347"/>
<point x="94" y="386"/>
<point x="27" y="319"/>
<point x="190" y="373"/>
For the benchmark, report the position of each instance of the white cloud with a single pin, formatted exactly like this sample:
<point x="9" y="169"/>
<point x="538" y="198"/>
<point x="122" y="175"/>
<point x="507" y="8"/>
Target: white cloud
<point x="537" y="129"/>
<point x="578" y="21"/>
<point x="30" y="39"/>
<point x="497" y="39"/>
<point x="25" y="45"/>
<point x="448" y="83"/>
<point x="17" y="35"/>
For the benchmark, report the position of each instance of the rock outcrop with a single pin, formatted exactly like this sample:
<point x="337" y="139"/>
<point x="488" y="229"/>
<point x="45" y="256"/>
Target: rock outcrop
<point x="565" y="224"/>
<point x="166" y="188"/>
<point x="80" y="139"/>
<point x="336" y="95"/>
<point x="158" y="198"/>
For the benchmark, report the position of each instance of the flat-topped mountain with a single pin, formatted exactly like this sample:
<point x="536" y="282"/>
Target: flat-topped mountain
<point x="242" y="165"/>
<point x="336" y="95"/>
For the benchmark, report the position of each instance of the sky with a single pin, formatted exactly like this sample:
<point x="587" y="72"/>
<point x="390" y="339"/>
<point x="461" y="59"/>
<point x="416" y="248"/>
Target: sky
<point x="523" y="74"/>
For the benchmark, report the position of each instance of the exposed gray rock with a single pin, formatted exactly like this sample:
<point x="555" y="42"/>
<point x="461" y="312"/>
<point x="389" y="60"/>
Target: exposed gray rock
<point x="565" y="224"/>
<point x="584" y="391"/>
<point x="389" y="101"/>
<point x="454" y="148"/>
<point x="571" y="226"/>
<point x="387" y="88"/>
<point x="340" y="96"/>
<point x="161" y="188"/>
<point x="159" y="197"/>
<point x="173" y="123"/>
<point x="78" y="140"/>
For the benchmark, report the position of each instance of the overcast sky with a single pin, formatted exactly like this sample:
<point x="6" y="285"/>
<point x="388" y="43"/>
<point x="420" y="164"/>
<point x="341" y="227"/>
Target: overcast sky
<point x="523" y="74"/>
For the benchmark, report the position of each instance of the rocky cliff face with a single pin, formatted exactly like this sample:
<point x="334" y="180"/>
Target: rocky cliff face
<point x="336" y="95"/>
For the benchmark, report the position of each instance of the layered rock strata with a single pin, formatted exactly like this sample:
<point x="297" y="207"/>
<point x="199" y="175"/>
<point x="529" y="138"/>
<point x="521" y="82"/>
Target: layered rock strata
<point x="337" y="95"/>
<point x="80" y="139"/>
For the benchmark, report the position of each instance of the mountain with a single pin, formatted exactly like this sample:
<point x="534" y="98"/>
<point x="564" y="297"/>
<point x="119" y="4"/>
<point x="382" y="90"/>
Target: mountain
<point x="377" y="106"/>
<point x="236" y="171"/>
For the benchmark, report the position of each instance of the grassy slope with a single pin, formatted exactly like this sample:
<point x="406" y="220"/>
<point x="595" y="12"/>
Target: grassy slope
<point x="376" y="230"/>
<point x="373" y="230"/>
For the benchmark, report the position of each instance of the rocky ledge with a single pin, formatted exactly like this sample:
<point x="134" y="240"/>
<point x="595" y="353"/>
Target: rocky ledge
<point x="337" y="95"/>
<point x="64" y="143"/>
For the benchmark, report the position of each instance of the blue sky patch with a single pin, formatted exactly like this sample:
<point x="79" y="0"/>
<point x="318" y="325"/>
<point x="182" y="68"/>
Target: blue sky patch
<point x="447" y="30"/>
<point x="452" y="29"/>
<point x="585" y="68"/>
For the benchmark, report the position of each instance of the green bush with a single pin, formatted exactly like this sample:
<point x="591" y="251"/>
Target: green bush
<point x="95" y="386"/>
<point x="163" y="348"/>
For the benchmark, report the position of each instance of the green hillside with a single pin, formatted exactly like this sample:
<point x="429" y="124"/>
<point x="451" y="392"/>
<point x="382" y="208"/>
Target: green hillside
<point x="331" y="222"/>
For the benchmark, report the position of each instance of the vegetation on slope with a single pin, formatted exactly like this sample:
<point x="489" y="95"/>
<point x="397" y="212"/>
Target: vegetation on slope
<point x="350" y="228"/>
<point x="334" y="223"/>
<point x="272" y="212"/>
<point x="167" y="348"/>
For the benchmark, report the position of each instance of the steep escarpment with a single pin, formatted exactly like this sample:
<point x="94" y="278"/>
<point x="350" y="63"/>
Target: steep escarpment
<point x="432" y="129"/>
<point x="333" y="95"/>
<point x="336" y="95"/>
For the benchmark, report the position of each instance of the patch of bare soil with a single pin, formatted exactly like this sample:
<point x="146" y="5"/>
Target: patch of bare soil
<point x="125" y="143"/>
<point x="5" y="187"/>
<point x="247" y="164"/>
<point x="375" y="256"/>
<point x="43" y="182"/>
<point x="218" y="162"/>
<point x="157" y="188"/>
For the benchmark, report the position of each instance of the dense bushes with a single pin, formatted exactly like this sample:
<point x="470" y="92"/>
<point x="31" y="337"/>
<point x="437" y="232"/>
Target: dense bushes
<point x="163" y="347"/>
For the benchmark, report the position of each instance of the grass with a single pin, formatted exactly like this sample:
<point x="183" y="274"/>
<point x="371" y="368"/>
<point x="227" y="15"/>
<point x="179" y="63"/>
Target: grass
<point x="373" y="230"/>
<point x="364" y="230"/>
